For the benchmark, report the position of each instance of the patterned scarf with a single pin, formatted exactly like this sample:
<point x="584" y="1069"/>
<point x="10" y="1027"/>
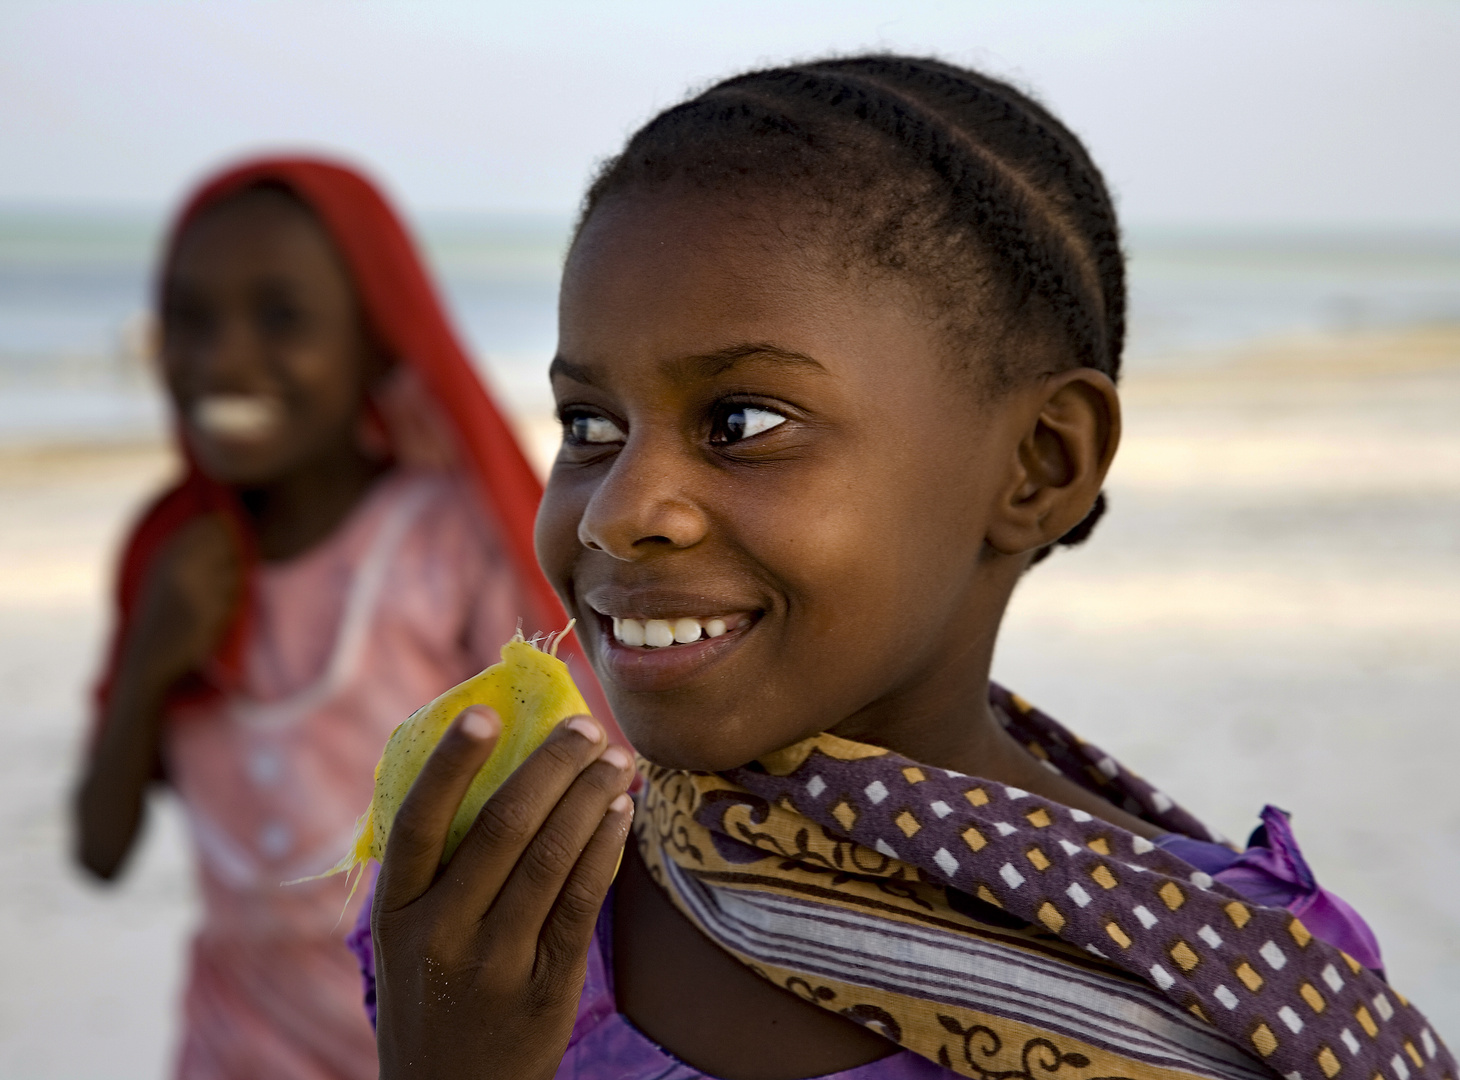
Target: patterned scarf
<point x="1006" y="936"/>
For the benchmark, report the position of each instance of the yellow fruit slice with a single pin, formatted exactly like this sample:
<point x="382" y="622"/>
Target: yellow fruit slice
<point x="530" y="690"/>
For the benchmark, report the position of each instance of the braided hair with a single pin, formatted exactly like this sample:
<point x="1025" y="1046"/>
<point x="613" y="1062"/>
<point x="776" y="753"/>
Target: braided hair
<point x="942" y="175"/>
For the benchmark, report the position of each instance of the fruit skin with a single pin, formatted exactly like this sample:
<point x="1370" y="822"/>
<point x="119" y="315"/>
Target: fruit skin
<point x="530" y="690"/>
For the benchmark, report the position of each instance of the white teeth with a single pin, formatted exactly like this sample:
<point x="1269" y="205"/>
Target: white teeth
<point x="238" y="416"/>
<point x="660" y="633"/>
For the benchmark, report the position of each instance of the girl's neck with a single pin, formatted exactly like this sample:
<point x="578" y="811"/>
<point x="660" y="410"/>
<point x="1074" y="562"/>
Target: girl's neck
<point x="941" y="716"/>
<point x="976" y="744"/>
<point x="946" y="721"/>
<point x="298" y="511"/>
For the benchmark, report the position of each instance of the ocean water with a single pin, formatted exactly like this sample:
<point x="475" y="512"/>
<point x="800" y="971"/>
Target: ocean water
<point x="74" y="297"/>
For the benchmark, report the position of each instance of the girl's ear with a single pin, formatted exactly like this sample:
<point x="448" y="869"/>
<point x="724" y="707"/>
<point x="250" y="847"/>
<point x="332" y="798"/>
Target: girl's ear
<point x="1070" y="431"/>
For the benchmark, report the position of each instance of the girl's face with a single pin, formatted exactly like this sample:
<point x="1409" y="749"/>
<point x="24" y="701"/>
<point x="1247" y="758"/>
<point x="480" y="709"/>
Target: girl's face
<point x="772" y="465"/>
<point x="263" y="346"/>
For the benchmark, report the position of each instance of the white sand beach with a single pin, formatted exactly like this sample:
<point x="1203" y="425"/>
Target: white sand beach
<point x="1270" y="613"/>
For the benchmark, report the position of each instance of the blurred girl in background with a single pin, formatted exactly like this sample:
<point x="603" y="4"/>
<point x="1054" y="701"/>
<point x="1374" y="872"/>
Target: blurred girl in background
<point x="351" y="536"/>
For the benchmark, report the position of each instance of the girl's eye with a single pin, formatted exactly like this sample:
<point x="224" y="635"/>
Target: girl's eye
<point x="745" y="421"/>
<point x="596" y="430"/>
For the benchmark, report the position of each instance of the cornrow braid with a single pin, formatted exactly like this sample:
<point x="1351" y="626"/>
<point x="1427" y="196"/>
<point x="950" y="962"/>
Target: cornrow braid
<point x="934" y="172"/>
<point x="1048" y="162"/>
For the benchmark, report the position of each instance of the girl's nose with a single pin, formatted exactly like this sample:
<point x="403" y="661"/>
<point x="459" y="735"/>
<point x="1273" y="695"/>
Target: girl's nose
<point x="641" y="506"/>
<point x="229" y="358"/>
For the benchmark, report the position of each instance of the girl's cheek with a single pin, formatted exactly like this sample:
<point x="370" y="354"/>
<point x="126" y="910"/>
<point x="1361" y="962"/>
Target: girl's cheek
<point x="555" y="535"/>
<point x="325" y="383"/>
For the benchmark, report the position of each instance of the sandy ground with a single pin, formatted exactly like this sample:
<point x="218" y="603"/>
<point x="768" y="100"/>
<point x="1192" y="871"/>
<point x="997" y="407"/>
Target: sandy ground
<point x="1271" y="613"/>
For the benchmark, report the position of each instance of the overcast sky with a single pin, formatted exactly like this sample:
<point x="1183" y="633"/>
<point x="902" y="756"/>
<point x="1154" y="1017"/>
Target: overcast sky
<point x="1201" y="113"/>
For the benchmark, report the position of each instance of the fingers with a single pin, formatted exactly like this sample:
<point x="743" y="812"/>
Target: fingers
<point x="538" y="821"/>
<point x="418" y="836"/>
<point x="537" y="881"/>
<point x="568" y="930"/>
<point x="206" y="537"/>
<point x="201" y="568"/>
<point x="219" y="542"/>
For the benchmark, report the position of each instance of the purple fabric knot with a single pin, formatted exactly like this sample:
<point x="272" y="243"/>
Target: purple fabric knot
<point x="1272" y="872"/>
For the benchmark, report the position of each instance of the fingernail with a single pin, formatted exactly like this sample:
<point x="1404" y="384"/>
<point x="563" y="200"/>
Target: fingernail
<point x="624" y="804"/>
<point x="618" y="757"/>
<point x="478" y="724"/>
<point x="588" y="728"/>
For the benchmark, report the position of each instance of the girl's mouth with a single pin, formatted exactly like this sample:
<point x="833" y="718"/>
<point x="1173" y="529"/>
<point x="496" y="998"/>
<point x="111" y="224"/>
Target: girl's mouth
<point x="237" y="417"/>
<point x="647" y="655"/>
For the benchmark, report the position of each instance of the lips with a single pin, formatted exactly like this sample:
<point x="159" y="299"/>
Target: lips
<point x="662" y="642"/>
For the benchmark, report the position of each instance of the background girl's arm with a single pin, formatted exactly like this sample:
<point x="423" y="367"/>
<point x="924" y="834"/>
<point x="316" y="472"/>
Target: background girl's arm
<point x="184" y="608"/>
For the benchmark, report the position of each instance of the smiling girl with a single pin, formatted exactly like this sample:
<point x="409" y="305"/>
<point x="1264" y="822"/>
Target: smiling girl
<point x="837" y="361"/>
<point x="352" y="536"/>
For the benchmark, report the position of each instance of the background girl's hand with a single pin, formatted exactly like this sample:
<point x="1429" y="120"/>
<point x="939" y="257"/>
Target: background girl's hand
<point x="187" y="599"/>
<point x="480" y="965"/>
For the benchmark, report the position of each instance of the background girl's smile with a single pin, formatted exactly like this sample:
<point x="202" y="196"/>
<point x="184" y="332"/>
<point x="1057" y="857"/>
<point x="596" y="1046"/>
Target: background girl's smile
<point x="242" y="418"/>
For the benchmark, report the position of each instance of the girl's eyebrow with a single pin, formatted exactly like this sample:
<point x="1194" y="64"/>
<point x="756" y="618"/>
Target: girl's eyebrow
<point x="722" y="360"/>
<point x="567" y="369"/>
<point x="707" y="364"/>
<point x="174" y="282"/>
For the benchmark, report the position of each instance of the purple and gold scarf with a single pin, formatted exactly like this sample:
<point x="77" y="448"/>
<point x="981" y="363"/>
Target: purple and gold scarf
<point x="1006" y="936"/>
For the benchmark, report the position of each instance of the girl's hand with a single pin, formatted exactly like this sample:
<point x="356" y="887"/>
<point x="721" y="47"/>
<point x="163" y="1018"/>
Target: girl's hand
<point x="188" y="597"/>
<point x="480" y="966"/>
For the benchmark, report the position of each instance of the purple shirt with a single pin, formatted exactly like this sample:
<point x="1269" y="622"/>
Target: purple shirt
<point x="1272" y="872"/>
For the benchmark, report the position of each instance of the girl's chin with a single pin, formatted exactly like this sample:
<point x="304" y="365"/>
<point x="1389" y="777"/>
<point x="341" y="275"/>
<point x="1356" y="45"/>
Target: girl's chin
<point x="704" y="706"/>
<point x="670" y="739"/>
<point x="671" y="754"/>
<point x="238" y="464"/>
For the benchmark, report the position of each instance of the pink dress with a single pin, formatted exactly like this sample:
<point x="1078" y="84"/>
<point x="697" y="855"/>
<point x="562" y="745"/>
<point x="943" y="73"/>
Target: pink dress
<point x="411" y="594"/>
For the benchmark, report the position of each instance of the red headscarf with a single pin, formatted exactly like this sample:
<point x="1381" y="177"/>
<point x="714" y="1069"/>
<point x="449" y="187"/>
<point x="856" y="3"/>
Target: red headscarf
<point x="402" y="311"/>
